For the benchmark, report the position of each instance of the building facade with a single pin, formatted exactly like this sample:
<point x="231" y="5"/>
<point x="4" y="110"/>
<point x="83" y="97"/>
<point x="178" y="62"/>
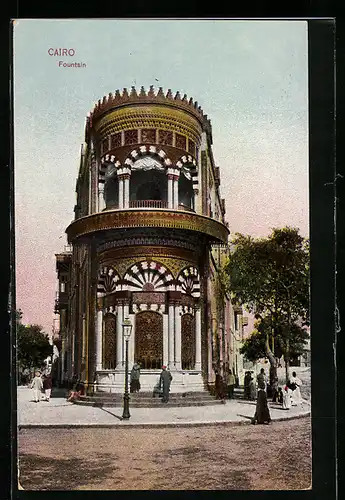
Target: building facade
<point x="148" y="239"/>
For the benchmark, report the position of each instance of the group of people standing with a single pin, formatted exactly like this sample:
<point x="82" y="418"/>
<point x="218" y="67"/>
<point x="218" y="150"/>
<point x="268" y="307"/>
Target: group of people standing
<point x="249" y="386"/>
<point x="41" y="384"/>
<point x="225" y="387"/>
<point x="161" y="389"/>
<point x="289" y="395"/>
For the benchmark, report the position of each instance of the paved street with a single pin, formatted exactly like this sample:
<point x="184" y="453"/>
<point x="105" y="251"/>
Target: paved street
<point x="211" y="457"/>
<point x="60" y="413"/>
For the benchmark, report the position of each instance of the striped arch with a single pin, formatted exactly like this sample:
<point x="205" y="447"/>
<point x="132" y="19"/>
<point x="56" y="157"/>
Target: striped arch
<point x="186" y="159"/>
<point x="188" y="281"/>
<point x="148" y="276"/>
<point x="153" y="151"/>
<point x="188" y="166"/>
<point x="108" y="166"/>
<point x="108" y="279"/>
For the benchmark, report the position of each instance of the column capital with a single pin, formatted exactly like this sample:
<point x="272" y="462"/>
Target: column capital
<point x="123" y="177"/>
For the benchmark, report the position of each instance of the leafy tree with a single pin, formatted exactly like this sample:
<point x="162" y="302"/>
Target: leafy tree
<point x="33" y="346"/>
<point x="254" y="347"/>
<point x="270" y="278"/>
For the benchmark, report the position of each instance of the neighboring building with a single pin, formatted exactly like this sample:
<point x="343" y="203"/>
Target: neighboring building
<point x="148" y="237"/>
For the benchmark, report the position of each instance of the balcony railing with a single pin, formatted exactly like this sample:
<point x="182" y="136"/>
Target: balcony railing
<point x="148" y="204"/>
<point x="151" y="204"/>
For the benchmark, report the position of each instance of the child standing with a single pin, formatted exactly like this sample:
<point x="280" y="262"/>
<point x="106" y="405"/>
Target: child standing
<point x="47" y="386"/>
<point x="37" y="386"/>
<point x="287" y="392"/>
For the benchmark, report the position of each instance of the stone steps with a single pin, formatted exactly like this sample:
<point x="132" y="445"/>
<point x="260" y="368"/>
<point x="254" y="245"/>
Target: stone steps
<point x="154" y="403"/>
<point x="144" y="399"/>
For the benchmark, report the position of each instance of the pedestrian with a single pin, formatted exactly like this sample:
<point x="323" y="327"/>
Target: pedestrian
<point x="219" y="387"/>
<point x="135" y="378"/>
<point x="47" y="386"/>
<point x="247" y="378"/>
<point x="274" y="387"/>
<point x="230" y="384"/>
<point x="157" y="390"/>
<point x="287" y="392"/>
<point x="252" y="388"/>
<point x="262" y="413"/>
<point x="164" y="383"/>
<point x="37" y="386"/>
<point x="294" y="384"/>
<point x="280" y="395"/>
<point x="262" y="377"/>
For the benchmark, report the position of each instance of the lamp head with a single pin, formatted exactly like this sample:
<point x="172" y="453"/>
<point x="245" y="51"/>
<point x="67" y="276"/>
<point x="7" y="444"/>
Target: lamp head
<point x="127" y="328"/>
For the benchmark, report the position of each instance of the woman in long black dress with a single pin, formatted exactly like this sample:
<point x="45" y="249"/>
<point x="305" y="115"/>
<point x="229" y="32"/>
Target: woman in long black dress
<point x="262" y="413"/>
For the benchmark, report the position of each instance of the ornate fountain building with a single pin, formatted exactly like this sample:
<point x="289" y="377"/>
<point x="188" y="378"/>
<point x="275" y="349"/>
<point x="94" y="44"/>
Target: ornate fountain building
<point x="148" y="237"/>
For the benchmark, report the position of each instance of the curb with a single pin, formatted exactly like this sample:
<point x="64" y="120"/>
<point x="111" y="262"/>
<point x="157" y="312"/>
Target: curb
<point x="155" y="425"/>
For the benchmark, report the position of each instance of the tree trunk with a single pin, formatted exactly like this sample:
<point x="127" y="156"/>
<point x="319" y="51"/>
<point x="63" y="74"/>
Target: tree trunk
<point x="274" y="364"/>
<point x="287" y="360"/>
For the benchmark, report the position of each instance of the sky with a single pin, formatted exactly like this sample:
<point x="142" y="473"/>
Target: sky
<point x="249" y="77"/>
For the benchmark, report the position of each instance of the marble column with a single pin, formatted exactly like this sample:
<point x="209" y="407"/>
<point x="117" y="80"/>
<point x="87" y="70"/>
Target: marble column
<point x="90" y="191"/>
<point x="177" y="337"/>
<point x="99" y="339"/>
<point x="165" y="339"/>
<point x="198" y="340"/>
<point x="196" y="201"/>
<point x="170" y="191"/>
<point x="84" y="339"/>
<point x="62" y="358"/>
<point x="119" y="316"/>
<point x="171" y="322"/>
<point x="126" y="192"/>
<point x="101" y="201"/>
<point x="121" y="190"/>
<point x="175" y="191"/>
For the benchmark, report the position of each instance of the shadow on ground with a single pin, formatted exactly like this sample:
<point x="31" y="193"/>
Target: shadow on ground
<point x="47" y="473"/>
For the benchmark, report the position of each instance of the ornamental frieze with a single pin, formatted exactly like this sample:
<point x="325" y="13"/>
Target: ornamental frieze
<point x="176" y="256"/>
<point x="216" y="231"/>
<point x="148" y="298"/>
<point x="149" y="117"/>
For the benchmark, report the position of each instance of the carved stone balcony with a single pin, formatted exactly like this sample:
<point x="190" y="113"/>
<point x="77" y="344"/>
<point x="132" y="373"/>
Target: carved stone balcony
<point x="110" y="219"/>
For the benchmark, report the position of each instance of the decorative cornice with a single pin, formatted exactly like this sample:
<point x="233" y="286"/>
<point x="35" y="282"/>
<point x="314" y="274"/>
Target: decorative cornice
<point x="119" y="99"/>
<point x="131" y="218"/>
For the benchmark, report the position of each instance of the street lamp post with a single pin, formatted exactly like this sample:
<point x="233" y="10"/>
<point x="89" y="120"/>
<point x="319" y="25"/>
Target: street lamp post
<point x="127" y="330"/>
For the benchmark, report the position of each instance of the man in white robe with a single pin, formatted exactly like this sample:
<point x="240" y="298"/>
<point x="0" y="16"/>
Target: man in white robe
<point x="296" y="398"/>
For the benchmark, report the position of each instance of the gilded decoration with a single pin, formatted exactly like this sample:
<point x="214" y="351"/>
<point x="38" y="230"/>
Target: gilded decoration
<point x="165" y="137"/>
<point x="131" y="137"/>
<point x="115" y="140"/>
<point x="109" y="342"/>
<point x="149" y="117"/>
<point x="188" y="342"/>
<point x="216" y="231"/>
<point x="149" y="339"/>
<point x="148" y="135"/>
<point x="180" y="141"/>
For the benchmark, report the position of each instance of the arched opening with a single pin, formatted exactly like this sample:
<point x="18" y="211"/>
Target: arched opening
<point x="109" y="342"/>
<point x="187" y="342"/>
<point x="111" y="192"/>
<point x="148" y="188"/>
<point x="185" y="192"/>
<point x="149" y="339"/>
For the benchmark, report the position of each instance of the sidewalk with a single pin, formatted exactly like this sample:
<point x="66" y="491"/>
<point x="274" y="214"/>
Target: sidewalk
<point x="58" y="413"/>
